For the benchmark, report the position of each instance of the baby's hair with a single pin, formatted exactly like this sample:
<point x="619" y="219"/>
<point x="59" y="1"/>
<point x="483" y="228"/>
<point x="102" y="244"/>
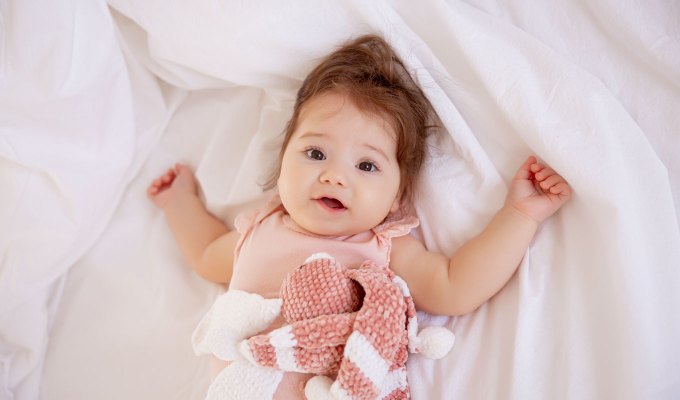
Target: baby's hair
<point x="373" y="77"/>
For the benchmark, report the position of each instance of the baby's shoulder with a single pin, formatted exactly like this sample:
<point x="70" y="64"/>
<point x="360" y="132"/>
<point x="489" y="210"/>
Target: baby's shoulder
<point x="248" y="212"/>
<point x="405" y="245"/>
<point x="409" y="252"/>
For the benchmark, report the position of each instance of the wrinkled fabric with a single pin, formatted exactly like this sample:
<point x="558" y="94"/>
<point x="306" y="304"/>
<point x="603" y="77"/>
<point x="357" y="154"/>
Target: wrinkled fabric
<point x="96" y="101"/>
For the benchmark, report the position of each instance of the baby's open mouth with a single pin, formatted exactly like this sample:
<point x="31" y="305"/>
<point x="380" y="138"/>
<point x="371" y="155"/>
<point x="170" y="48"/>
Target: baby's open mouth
<point x="333" y="203"/>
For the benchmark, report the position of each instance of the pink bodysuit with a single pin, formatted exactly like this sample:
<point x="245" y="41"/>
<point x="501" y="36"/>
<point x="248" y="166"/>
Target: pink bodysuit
<point x="272" y="245"/>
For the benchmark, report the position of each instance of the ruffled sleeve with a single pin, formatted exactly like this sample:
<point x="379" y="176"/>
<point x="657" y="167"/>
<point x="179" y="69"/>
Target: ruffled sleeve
<point x="396" y="224"/>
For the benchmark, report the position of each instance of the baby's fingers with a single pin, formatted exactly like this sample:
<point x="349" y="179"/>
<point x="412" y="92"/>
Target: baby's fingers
<point x="550" y="181"/>
<point x="156" y="183"/>
<point x="542" y="172"/>
<point x="153" y="188"/>
<point x="561" y="188"/>
<point x="524" y="171"/>
<point x="162" y="181"/>
<point x="168" y="176"/>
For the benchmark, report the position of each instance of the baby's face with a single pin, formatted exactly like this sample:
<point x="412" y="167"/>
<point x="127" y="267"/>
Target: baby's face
<point x="339" y="173"/>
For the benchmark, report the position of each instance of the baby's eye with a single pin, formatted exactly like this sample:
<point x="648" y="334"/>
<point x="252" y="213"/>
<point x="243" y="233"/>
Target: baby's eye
<point x="315" y="154"/>
<point x="367" y="166"/>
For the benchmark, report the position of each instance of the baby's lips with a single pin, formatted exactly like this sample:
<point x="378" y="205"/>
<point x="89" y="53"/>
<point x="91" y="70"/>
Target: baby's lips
<point x="333" y="203"/>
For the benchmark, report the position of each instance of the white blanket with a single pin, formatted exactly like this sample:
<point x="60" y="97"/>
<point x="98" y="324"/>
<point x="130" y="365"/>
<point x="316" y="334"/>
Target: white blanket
<point x="97" y="100"/>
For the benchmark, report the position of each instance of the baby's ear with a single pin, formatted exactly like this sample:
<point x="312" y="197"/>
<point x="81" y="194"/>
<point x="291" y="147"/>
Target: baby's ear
<point x="397" y="204"/>
<point x="402" y="200"/>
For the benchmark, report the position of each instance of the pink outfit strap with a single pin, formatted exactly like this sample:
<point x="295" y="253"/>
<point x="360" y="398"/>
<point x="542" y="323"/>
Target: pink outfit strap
<point x="245" y="221"/>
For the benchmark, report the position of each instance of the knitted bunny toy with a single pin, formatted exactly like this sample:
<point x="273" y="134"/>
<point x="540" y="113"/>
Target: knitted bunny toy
<point x="356" y="325"/>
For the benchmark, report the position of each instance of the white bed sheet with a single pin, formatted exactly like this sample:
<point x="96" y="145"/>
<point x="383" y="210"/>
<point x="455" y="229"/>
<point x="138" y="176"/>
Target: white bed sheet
<point x="96" y="302"/>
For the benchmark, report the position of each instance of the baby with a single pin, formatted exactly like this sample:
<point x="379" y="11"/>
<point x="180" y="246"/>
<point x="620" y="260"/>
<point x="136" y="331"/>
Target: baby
<point x="344" y="181"/>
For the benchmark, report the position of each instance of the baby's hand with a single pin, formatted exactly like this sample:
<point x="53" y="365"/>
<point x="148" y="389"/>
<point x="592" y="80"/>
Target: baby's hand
<point x="177" y="181"/>
<point x="537" y="191"/>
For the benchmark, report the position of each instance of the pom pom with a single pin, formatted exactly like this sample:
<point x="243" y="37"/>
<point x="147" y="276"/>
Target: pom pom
<point x="435" y="342"/>
<point x="318" y="388"/>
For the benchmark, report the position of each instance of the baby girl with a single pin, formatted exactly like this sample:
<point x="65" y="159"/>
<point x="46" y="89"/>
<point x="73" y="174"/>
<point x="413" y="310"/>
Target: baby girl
<point x="344" y="184"/>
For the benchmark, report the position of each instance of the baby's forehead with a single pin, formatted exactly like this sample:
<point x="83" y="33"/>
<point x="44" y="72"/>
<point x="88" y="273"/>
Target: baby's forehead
<point x="332" y="108"/>
<point x="327" y="104"/>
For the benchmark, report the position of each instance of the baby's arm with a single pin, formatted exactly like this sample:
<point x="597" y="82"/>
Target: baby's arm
<point x="483" y="265"/>
<point x="206" y="243"/>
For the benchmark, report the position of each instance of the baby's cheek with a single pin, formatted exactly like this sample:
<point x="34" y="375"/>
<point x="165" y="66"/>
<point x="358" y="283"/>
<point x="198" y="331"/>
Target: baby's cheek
<point x="377" y="204"/>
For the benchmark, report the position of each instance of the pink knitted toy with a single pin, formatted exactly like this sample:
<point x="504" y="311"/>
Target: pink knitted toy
<point x="357" y="325"/>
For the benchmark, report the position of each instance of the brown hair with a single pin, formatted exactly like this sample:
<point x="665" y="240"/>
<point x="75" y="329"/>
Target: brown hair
<point x="368" y="71"/>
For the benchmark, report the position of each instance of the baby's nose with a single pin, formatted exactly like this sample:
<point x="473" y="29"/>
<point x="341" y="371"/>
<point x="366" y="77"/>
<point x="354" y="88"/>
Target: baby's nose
<point x="333" y="176"/>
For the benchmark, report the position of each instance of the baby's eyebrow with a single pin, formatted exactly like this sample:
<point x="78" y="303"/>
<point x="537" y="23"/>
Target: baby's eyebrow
<point x="312" y="134"/>
<point x="378" y="150"/>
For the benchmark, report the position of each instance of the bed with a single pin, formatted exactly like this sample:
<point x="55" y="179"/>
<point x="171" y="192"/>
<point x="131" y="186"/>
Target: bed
<point x="98" y="98"/>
